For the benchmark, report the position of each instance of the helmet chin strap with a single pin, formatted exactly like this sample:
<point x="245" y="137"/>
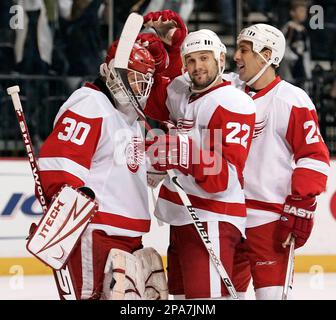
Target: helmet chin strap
<point x="260" y="73"/>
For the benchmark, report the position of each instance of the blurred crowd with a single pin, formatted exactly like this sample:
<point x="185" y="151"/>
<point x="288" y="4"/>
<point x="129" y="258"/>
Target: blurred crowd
<point x="68" y="39"/>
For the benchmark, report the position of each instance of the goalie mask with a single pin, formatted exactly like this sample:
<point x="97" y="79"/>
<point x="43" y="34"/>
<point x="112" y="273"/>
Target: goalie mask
<point x="141" y="66"/>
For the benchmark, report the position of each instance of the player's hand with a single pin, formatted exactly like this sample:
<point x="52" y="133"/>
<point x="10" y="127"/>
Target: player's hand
<point x="297" y="219"/>
<point x="154" y="177"/>
<point x="156" y="48"/>
<point x="168" y="25"/>
<point x="170" y="152"/>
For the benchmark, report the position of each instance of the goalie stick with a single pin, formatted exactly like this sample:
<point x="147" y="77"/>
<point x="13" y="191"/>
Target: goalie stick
<point x="62" y="276"/>
<point x="127" y="39"/>
<point x="290" y="269"/>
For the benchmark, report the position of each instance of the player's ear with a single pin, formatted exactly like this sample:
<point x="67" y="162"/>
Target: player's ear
<point x="267" y="53"/>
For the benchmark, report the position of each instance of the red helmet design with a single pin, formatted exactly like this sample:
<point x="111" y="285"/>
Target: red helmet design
<point x="140" y="59"/>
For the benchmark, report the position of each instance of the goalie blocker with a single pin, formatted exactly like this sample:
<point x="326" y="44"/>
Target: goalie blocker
<point x="62" y="225"/>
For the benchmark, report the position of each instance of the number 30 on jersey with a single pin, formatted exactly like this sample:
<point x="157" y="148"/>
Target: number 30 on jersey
<point x="74" y="131"/>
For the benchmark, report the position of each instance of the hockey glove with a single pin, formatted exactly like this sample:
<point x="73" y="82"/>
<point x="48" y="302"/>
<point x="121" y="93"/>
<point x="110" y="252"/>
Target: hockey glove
<point x="170" y="152"/>
<point x="168" y="25"/>
<point x="297" y="219"/>
<point x="155" y="46"/>
<point x="155" y="177"/>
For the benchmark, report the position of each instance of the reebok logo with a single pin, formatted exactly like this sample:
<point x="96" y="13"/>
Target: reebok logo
<point x="265" y="263"/>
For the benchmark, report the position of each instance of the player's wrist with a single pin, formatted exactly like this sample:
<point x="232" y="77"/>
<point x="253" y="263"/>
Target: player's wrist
<point x="301" y="207"/>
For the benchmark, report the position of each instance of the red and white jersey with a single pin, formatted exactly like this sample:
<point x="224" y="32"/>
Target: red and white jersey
<point x="219" y="196"/>
<point x="95" y="145"/>
<point x="287" y="156"/>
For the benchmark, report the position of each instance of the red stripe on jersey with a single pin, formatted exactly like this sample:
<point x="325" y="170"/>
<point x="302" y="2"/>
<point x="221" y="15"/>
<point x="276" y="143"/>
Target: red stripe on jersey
<point x="233" y="146"/>
<point x="316" y="182"/>
<point x="194" y="97"/>
<point x="266" y="206"/>
<point x="74" y="137"/>
<point x="304" y="137"/>
<point x="232" y="209"/>
<point x="52" y="181"/>
<point x="114" y="220"/>
<point x="91" y="86"/>
<point x="267" y="89"/>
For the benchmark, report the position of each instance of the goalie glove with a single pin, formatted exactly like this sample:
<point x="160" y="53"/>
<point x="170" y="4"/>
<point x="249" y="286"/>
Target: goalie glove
<point x="297" y="219"/>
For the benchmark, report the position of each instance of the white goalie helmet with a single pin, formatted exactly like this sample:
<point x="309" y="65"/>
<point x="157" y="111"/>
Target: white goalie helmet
<point x="265" y="36"/>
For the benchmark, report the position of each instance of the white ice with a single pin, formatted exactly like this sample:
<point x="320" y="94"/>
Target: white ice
<point x="317" y="286"/>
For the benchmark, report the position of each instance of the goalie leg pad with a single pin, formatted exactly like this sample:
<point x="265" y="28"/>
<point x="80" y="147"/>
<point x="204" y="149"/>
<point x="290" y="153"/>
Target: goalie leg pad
<point x="123" y="277"/>
<point x="154" y="276"/>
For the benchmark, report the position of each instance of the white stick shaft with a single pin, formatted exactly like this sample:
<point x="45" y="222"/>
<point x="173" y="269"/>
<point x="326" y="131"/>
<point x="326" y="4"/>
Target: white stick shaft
<point x="290" y="269"/>
<point x="59" y="275"/>
<point x="203" y="235"/>
<point x="14" y="93"/>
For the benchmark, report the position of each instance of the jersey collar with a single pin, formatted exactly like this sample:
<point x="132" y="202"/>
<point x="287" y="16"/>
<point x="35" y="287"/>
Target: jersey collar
<point x="194" y="97"/>
<point x="91" y="86"/>
<point x="265" y="90"/>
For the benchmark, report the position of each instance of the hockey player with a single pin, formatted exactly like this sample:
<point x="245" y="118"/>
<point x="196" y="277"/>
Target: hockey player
<point x="208" y="147"/>
<point x="287" y="166"/>
<point x="96" y="142"/>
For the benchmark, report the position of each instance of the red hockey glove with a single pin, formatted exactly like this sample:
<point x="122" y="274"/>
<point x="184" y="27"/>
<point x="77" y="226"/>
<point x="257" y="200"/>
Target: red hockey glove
<point x="155" y="46"/>
<point x="297" y="219"/>
<point x="168" y="25"/>
<point x="170" y="152"/>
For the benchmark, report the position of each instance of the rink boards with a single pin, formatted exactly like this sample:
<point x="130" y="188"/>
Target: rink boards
<point x="19" y="208"/>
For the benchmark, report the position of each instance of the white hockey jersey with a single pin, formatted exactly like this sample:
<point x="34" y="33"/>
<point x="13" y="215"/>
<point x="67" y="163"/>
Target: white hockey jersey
<point x="95" y="145"/>
<point x="218" y="195"/>
<point x="287" y="156"/>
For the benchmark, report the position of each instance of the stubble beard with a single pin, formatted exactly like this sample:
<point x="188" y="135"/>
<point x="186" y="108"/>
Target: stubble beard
<point x="198" y="85"/>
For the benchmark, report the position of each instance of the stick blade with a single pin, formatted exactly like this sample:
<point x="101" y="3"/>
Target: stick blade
<point x="128" y="36"/>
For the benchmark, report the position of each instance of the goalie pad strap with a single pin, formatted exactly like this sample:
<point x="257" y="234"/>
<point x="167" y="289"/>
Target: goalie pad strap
<point x="122" y="277"/>
<point x="134" y="277"/>
<point x="135" y="290"/>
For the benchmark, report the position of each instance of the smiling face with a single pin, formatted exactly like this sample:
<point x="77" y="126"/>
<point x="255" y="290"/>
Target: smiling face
<point x="248" y="62"/>
<point x="202" y="68"/>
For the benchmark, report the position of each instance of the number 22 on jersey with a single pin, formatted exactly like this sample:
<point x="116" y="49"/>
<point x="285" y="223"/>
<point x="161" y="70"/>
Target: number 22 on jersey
<point x="234" y="135"/>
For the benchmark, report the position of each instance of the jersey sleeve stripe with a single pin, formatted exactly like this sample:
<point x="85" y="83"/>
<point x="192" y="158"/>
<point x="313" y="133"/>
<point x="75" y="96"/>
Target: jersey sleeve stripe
<point x="63" y="164"/>
<point x="313" y="164"/>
